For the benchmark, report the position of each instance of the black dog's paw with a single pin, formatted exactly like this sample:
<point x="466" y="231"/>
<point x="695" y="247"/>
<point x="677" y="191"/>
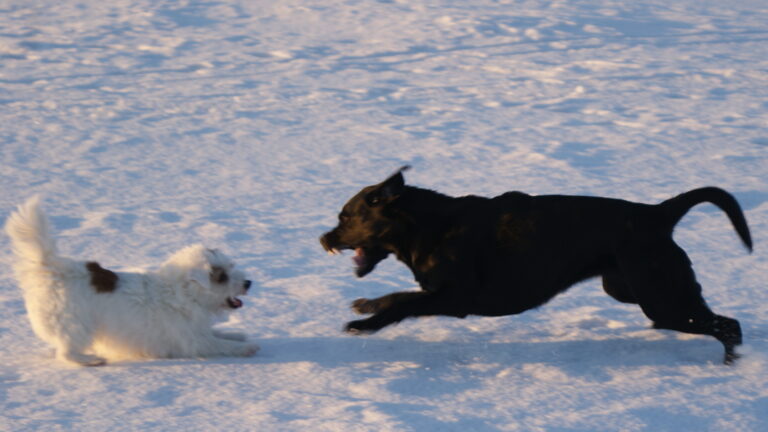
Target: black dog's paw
<point x="730" y="358"/>
<point x="360" y="327"/>
<point x="364" y="306"/>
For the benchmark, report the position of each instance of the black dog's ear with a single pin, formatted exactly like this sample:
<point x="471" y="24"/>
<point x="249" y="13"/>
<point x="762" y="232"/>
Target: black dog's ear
<point x="389" y="189"/>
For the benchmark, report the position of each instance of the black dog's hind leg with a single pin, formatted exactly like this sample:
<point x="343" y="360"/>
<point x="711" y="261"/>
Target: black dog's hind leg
<point x="661" y="278"/>
<point x="726" y="330"/>
<point x="396" y="307"/>
<point x="615" y="286"/>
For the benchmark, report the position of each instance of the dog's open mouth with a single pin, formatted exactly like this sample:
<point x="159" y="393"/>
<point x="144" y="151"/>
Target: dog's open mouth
<point x="359" y="259"/>
<point x="234" y="302"/>
<point x="365" y="259"/>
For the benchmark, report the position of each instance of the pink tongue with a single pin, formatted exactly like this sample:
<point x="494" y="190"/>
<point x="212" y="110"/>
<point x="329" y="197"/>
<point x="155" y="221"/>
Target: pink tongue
<point x="234" y="303"/>
<point x="359" y="257"/>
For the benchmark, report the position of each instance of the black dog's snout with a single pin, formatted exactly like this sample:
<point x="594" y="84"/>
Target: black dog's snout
<point x="247" y="284"/>
<point x="324" y="241"/>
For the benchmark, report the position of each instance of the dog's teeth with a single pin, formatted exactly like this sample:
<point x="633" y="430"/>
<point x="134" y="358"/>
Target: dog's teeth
<point x="334" y="251"/>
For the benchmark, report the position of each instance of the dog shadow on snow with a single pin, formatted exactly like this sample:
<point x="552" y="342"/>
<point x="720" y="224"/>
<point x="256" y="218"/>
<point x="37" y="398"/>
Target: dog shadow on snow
<point x="415" y="368"/>
<point x="572" y="356"/>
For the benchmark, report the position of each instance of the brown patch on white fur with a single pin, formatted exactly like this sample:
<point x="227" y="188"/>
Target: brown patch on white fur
<point x="103" y="280"/>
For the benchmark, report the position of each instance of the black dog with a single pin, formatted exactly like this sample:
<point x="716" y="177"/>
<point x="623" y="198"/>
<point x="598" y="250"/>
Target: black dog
<point x="507" y="254"/>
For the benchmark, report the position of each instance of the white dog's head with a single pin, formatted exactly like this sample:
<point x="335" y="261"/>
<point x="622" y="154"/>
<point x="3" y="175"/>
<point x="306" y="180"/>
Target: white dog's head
<point x="209" y="274"/>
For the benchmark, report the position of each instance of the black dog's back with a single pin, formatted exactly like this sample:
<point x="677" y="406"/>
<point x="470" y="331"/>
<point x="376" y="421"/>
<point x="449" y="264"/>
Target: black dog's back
<point x="545" y="244"/>
<point x="581" y="237"/>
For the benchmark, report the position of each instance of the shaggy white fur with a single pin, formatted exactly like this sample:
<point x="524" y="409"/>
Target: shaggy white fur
<point x="91" y="315"/>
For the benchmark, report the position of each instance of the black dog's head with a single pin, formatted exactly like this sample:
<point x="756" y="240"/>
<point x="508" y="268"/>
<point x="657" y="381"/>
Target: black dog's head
<point x="365" y="224"/>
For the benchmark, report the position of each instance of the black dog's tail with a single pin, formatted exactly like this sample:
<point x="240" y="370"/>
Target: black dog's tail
<point x="678" y="206"/>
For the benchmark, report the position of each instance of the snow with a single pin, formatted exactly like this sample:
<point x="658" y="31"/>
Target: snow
<point x="150" y="125"/>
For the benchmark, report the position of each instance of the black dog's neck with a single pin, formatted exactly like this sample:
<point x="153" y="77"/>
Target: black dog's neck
<point x="423" y="216"/>
<point x="417" y="200"/>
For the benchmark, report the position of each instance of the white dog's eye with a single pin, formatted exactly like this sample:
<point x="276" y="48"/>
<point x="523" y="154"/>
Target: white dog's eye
<point x="223" y="277"/>
<point x="219" y="275"/>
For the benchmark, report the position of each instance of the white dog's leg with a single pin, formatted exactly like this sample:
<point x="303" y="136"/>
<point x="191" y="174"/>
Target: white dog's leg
<point x="72" y="350"/>
<point x="233" y="336"/>
<point x="72" y="337"/>
<point x="81" y="359"/>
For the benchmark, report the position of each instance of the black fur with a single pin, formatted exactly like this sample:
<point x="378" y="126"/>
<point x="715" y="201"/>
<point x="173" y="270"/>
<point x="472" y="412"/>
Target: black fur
<point x="504" y="255"/>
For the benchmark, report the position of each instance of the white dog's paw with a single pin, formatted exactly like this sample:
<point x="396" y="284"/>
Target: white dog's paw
<point x="84" y="359"/>
<point x="230" y="348"/>
<point x="250" y="349"/>
<point x="243" y="349"/>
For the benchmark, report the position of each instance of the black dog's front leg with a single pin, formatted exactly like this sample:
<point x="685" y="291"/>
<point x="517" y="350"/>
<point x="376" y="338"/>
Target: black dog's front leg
<point x="396" y="307"/>
<point x="366" y="306"/>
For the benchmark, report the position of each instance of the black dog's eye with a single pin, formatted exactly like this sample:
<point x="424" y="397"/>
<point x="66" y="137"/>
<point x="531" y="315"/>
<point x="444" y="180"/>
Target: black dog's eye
<point x="373" y="199"/>
<point x="343" y="217"/>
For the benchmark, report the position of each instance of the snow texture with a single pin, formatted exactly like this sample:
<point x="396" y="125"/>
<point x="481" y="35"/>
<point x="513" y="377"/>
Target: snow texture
<point x="150" y="125"/>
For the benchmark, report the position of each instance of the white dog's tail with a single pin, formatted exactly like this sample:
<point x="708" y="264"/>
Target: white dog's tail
<point x="30" y="234"/>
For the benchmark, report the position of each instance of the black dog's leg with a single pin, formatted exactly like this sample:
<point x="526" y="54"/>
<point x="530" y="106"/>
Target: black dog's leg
<point x="661" y="278"/>
<point x="396" y="307"/>
<point x="726" y="330"/>
<point x="615" y="286"/>
<point x="366" y="306"/>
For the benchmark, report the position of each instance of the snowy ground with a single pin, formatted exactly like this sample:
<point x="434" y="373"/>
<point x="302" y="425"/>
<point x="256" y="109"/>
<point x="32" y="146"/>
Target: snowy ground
<point x="149" y="125"/>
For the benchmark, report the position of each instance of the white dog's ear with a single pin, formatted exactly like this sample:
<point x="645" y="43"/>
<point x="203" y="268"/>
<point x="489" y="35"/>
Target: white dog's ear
<point x="201" y="277"/>
<point x="207" y="277"/>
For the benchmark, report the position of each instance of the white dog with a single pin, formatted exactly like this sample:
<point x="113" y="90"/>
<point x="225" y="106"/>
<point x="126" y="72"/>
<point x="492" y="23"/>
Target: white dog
<point x="91" y="314"/>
